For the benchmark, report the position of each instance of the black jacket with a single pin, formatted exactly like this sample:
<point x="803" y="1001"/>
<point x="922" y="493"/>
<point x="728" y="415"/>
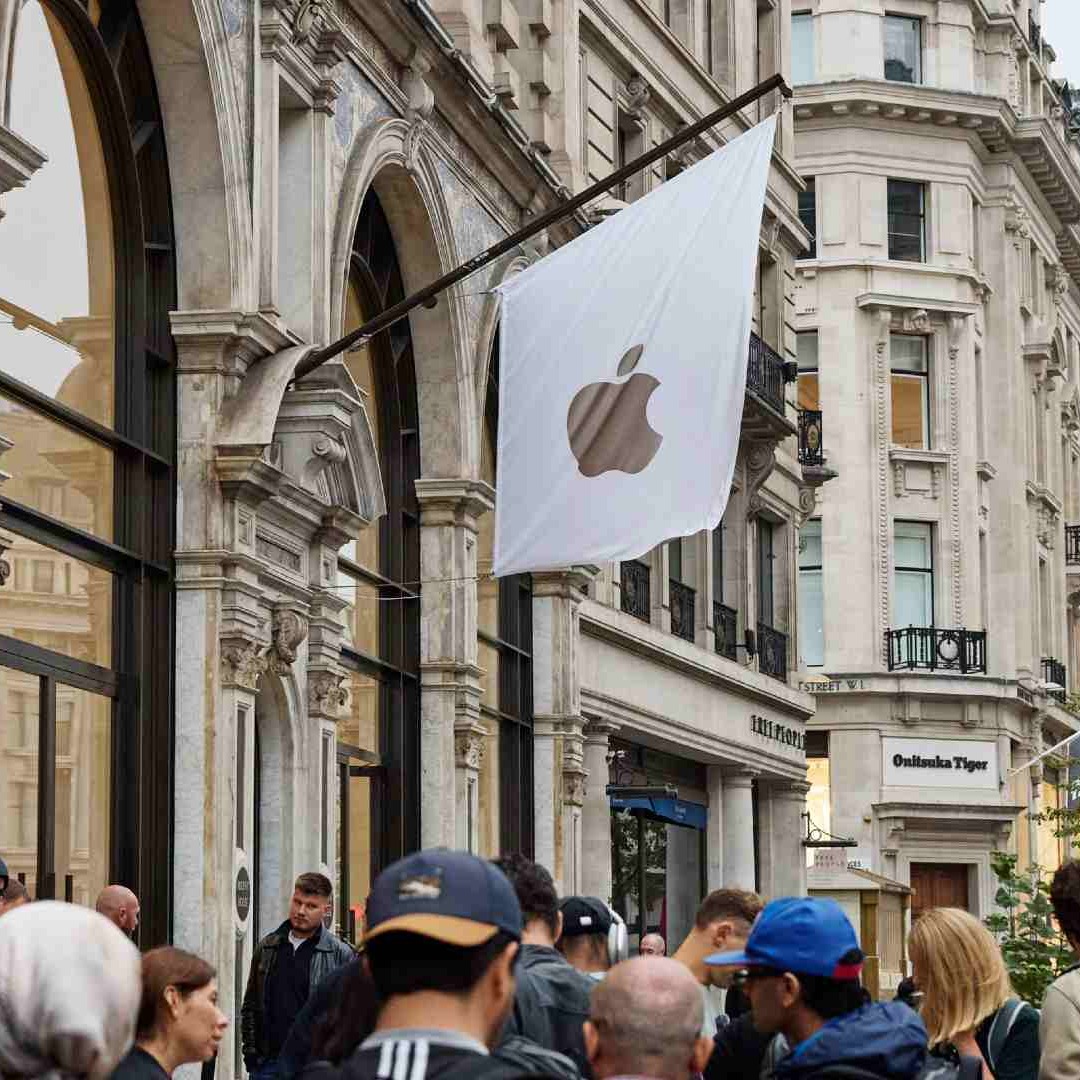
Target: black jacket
<point x="330" y="953"/>
<point x="551" y="1004"/>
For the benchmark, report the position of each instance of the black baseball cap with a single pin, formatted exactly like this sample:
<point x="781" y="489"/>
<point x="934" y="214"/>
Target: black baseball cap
<point x="584" y="915"/>
<point x="450" y="896"/>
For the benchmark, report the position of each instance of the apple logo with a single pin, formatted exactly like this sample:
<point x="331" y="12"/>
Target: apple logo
<point x="607" y="425"/>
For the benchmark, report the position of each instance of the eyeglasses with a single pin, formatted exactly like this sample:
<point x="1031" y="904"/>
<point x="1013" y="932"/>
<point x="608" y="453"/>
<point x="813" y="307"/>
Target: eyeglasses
<point x="751" y="974"/>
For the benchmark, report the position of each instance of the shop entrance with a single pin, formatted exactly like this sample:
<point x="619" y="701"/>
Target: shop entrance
<point x="938" y="885"/>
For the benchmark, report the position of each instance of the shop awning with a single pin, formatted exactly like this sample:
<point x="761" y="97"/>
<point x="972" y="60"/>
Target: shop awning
<point x="673" y="811"/>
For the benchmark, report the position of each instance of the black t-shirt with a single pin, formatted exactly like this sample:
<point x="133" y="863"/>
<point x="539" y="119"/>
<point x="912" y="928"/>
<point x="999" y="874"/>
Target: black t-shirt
<point x="139" y="1065"/>
<point x="287" y="990"/>
<point x="420" y="1055"/>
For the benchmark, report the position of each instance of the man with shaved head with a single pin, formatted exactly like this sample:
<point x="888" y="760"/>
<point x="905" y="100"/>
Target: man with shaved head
<point x="645" y="1021"/>
<point x="121" y="906"/>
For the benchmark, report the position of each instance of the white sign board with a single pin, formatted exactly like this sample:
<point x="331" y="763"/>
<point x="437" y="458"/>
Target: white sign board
<point x="940" y="763"/>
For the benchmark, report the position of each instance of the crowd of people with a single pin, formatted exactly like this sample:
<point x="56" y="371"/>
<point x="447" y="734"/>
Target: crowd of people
<point x="475" y="969"/>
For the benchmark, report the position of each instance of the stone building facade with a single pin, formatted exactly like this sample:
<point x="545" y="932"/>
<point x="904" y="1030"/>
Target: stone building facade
<point x="938" y="333"/>
<point x="247" y="622"/>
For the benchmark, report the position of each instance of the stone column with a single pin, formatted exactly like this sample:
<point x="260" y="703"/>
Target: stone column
<point x="450" y="724"/>
<point x="738" y="829"/>
<point x="558" y="762"/>
<point x="780" y="832"/>
<point x="596" y="812"/>
<point x="714" y="830"/>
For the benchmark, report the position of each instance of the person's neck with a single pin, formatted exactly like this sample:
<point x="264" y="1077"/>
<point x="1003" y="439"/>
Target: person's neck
<point x="303" y="935"/>
<point x="585" y="961"/>
<point x="802" y="1024"/>
<point x="691" y="954"/>
<point x="157" y="1046"/>
<point x="537" y="932"/>
<point x="432" y="1010"/>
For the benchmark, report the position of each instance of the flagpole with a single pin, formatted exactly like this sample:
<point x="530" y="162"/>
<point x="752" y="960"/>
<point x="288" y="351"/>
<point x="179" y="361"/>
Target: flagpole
<point x="427" y="295"/>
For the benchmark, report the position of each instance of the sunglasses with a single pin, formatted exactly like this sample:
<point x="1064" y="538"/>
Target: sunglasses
<point x="753" y="974"/>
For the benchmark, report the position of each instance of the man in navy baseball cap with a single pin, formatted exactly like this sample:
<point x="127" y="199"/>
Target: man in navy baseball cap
<point x="801" y="966"/>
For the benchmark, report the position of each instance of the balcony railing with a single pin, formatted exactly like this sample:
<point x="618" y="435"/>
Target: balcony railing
<point x="725" y="621"/>
<point x="926" y="648"/>
<point x="765" y="373"/>
<point x="682" y="610"/>
<point x="1072" y="545"/>
<point x="636" y="590"/>
<point x="1053" y="673"/>
<point x="772" y="652"/>
<point x="810" y="451"/>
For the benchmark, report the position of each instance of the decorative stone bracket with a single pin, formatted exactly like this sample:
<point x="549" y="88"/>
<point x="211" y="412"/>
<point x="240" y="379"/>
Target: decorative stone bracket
<point x="288" y="630"/>
<point x="242" y="663"/>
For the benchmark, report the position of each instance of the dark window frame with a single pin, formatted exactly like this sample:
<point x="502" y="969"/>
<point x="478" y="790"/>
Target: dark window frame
<point x="765" y="561"/>
<point x="808" y="216"/>
<point x="115" y="62"/>
<point x="896" y="217"/>
<point x="931" y="569"/>
<point x="917" y="75"/>
<point x="927" y="386"/>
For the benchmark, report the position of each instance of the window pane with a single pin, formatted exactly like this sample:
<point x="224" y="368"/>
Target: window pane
<point x="810" y="545"/>
<point x="488" y="659"/>
<point x="905" y="209"/>
<point x="57" y="471"/>
<point x="909" y="410"/>
<point x="83" y="793"/>
<point x="718" y="563"/>
<point x="806" y="349"/>
<point x="358" y="791"/>
<point x="902" y="49"/>
<point x="360" y="724"/>
<point x="811" y="618"/>
<point x="802" y="48"/>
<point x="808" y="394"/>
<point x="488" y="804"/>
<point x="912" y="549"/>
<point x="57" y="280"/>
<point x="913" y="605"/>
<point x="675" y="560"/>
<point x="57" y="602"/>
<point x="907" y="353"/>
<point x="765" y="572"/>
<point x="362" y="614"/>
<point x="20" y="701"/>
<point x="808" y="216"/>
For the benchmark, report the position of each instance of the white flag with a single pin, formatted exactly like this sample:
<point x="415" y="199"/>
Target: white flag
<point x="622" y="369"/>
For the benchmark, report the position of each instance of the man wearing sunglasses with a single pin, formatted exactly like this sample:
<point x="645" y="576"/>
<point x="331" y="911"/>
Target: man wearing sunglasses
<point x="801" y="969"/>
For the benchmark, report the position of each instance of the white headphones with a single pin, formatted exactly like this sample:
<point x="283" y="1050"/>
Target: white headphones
<point x="618" y="939"/>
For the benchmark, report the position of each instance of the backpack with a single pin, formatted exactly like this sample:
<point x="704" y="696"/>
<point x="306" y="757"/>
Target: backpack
<point x="1000" y="1029"/>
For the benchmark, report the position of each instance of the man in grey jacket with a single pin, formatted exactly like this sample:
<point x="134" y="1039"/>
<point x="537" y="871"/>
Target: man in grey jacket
<point x="551" y="1002"/>
<point x="1059" y="1027"/>
<point x="287" y="965"/>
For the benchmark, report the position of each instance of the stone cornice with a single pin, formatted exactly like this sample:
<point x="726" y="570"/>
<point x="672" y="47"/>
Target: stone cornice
<point x="223" y="342"/>
<point x="453" y="501"/>
<point x="898" y="302"/>
<point x="19" y="160"/>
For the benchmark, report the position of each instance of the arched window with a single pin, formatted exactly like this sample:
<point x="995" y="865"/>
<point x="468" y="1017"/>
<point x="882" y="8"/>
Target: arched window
<point x="87" y="386"/>
<point x="379" y="574"/>
<point x="504" y="623"/>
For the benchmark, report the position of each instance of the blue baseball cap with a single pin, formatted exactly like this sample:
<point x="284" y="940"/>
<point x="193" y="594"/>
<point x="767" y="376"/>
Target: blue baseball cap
<point x="450" y="896"/>
<point x="800" y="934"/>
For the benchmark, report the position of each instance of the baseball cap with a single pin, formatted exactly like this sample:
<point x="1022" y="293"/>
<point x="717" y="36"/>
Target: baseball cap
<point x="584" y="915"/>
<point x="450" y="896"/>
<point x="802" y="934"/>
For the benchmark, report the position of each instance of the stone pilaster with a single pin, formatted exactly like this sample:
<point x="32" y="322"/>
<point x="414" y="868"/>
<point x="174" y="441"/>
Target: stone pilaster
<point x="449" y="675"/>
<point x="596" y="812"/>
<point x="738" y="829"/>
<point x="558" y="764"/>
<point x="780" y="808"/>
<point x="714" y="829"/>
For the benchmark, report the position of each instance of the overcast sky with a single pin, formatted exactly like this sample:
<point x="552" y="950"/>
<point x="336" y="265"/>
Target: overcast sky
<point x="1061" y="23"/>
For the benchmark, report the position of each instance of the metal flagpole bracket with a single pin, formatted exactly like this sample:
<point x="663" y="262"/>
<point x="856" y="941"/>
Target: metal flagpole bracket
<point x="817" y="837"/>
<point x="428" y="296"/>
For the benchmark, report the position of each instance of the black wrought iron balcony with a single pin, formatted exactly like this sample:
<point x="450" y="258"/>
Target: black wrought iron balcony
<point x="1054" y="679"/>
<point x="636" y="589"/>
<point x="772" y="652"/>
<point x="682" y="610"/>
<point x="927" y="648"/>
<point x="810" y="450"/>
<point x="765" y="373"/>
<point x="725" y="620"/>
<point x="1072" y="545"/>
<point x="1034" y="32"/>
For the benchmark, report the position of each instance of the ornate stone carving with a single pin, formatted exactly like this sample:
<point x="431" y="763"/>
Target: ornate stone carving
<point x="637" y="94"/>
<point x="288" y="629"/>
<point x="956" y="329"/>
<point x="421" y="104"/>
<point x="760" y="460"/>
<point x="469" y="749"/>
<point x="574" y="788"/>
<point x="242" y="662"/>
<point x="917" y="322"/>
<point x="331" y="450"/>
<point x="807" y="503"/>
<point x="1016" y="222"/>
<point x="1057" y="280"/>
<point x="326" y="694"/>
<point x="882" y="439"/>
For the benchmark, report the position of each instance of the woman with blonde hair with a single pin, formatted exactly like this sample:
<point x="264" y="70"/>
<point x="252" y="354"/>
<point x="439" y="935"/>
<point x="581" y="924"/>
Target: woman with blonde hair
<point x="967" y="999"/>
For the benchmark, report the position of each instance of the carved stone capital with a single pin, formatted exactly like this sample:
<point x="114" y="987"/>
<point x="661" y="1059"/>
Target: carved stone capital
<point x="574" y="787"/>
<point x="288" y="629"/>
<point x="469" y="747"/>
<point x="326" y="694"/>
<point x="637" y="94"/>
<point x="242" y="663"/>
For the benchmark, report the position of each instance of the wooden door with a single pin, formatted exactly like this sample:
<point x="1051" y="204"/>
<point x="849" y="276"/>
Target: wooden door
<point x="938" y="885"/>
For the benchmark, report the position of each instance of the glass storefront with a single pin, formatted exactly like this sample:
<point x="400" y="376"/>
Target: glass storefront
<point x="87" y="438"/>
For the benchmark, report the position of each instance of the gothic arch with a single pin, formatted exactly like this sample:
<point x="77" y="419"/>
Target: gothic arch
<point x="390" y="157"/>
<point x="196" y="84"/>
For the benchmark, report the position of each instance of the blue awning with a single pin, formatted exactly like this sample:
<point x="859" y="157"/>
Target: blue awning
<point x="674" y="811"/>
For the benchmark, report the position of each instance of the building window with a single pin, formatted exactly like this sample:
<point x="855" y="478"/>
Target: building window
<point x="907" y="220"/>
<point x="811" y="597"/>
<point x="913" y="574"/>
<point x="629" y="146"/>
<point x="378" y="748"/>
<point x="802" y="47"/>
<point x="806" y="352"/>
<point x="808" y="216"/>
<point x="903" y="49"/>
<point x="909" y="366"/>
<point x="88" y="399"/>
<point x="765" y="532"/>
<point x="718" y="563"/>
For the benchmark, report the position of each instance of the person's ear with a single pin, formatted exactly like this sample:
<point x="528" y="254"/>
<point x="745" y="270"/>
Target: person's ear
<point x="558" y="926"/>
<point x="790" y="989"/>
<point x="592" y="1041"/>
<point x="720" y="931"/>
<point x="172" y="1001"/>
<point x="703" y="1048"/>
<point x="502" y="978"/>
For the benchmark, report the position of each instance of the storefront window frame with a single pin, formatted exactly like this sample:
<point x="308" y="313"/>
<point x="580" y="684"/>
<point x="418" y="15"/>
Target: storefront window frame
<point x="115" y="63"/>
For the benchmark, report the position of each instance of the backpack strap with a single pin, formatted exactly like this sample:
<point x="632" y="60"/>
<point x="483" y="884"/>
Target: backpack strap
<point x="1000" y="1028"/>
